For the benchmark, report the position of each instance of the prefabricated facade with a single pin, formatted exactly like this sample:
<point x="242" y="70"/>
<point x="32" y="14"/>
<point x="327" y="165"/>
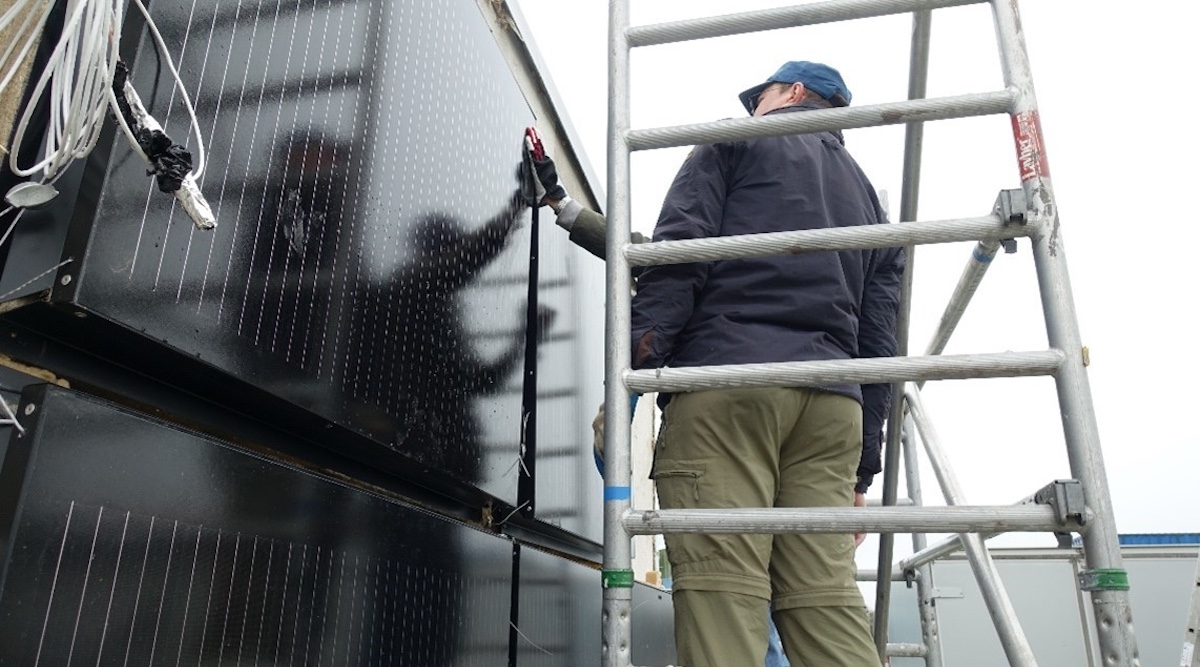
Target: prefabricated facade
<point x="350" y="424"/>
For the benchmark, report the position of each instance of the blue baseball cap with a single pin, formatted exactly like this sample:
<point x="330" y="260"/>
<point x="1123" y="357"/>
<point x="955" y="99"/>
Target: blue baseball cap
<point x="817" y="77"/>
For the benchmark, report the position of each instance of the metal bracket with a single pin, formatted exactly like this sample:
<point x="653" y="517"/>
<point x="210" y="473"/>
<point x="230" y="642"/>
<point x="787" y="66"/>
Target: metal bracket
<point x="1066" y="497"/>
<point x="1011" y="206"/>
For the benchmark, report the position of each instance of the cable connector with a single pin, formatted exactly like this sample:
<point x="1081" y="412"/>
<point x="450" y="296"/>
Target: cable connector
<point x="170" y="163"/>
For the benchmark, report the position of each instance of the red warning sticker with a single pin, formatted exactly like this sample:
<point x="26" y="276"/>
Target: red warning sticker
<point x="1031" y="152"/>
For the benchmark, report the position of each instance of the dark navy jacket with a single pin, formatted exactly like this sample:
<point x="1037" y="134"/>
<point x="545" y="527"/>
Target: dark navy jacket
<point x="803" y="307"/>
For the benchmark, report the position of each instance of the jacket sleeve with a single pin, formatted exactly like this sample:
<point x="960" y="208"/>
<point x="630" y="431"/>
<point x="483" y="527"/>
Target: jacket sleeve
<point x="666" y="295"/>
<point x="588" y="229"/>
<point x="877" y="338"/>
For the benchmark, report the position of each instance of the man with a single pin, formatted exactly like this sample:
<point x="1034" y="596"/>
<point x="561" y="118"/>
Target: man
<point x="587" y="230"/>
<point x="775" y="447"/>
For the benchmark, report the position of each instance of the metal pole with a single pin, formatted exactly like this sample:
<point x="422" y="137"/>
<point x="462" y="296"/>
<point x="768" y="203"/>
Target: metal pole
<point x="762" y="20"/>
<point x="841" y="118"/>
<point x="990" y="227"/>
<point x="1012" y="638"/>
<point x="825" y="520"/>
<point x="927" y="605"/>
<point x="1105" y="578"/>
<point x="837" y="371"/>
<point x="617" y="568"/>
<point x="942" y="549"/>
<point x="873" y="575"/>
<point x="1189" y="657"/>
<point x="914" y="135"/>
<point x="968" y="282"/>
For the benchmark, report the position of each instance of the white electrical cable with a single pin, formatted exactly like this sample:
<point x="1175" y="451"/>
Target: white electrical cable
<point x="198" y="170"/>
<point x="79" y="75"/>
<point x="28" y="28"/>
<point x="89" y="42"/>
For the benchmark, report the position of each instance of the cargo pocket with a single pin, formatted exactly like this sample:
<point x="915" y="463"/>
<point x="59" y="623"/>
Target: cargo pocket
<point x="683" y="487"/>
<point x="678" y="487"/>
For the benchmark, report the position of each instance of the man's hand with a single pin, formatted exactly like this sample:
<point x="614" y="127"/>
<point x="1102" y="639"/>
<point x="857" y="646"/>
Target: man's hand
<point x="547" y="173"/>
<point x="598" y="439"/>
<point x="860" y="500"/>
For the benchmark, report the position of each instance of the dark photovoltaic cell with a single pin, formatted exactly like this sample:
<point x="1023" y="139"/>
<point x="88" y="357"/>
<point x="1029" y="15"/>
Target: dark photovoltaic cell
<point x="367" y="265"/>
<point x="556" y="630"/>
<point x="136" y="543"/>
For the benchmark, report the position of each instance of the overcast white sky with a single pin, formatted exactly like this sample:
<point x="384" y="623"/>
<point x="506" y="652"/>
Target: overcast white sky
<point x="1122" y="143"/>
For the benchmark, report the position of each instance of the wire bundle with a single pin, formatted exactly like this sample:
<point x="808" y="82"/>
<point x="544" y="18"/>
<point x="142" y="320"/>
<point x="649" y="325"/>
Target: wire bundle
<point x="79" y="77"/>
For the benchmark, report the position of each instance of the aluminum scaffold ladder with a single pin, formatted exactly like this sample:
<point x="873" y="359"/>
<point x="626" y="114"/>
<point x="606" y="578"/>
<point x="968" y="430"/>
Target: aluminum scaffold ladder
<point x="1080" y="505"/>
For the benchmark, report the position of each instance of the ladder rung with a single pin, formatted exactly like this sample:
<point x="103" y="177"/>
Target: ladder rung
<point x="845" y="371"/>
<point x="900" y="650"/>
<point x="873" y="575"/>
<point x="817" y="240"/>
<point x="811" y="520"/>
<point x="816" y="120"/>
<point x="764" y="20"/>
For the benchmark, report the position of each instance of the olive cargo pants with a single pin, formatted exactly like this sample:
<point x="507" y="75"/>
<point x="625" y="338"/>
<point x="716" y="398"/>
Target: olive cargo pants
<point x="776" y="447"/>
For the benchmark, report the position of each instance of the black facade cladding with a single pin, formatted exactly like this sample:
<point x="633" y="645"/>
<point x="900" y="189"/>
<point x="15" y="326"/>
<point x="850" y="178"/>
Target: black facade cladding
<point x="343" y="139"/>
<point x="221" y="555"/>
<point x="366" y="269"/>
<point x="345" y="347"/>
<point x="227" y="556"/>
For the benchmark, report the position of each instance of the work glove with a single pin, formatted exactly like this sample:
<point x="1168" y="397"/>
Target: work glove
<point x="598" y="432"/>
<point x="543" y="167"/>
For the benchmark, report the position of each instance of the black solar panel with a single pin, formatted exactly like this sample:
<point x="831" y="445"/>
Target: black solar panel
<point x="136" y="543"/>
<point x="367" y="266"/>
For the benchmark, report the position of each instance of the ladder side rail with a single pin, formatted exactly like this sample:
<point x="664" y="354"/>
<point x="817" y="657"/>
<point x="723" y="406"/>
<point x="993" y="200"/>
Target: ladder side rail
<point x="617" y="566"/>
<point x="927" y="605"/>
<point x="859" y="371"/>
<point x="765" y="20"/>
<point x="1106" y="578"/>
<point x="914" y="135"/>
<point x="1189" y="657"/>
<point x="995" y="596"/>
<point x="839" y="520"/>
<point x="817" y="120"/>
<point x="863" y="237"/>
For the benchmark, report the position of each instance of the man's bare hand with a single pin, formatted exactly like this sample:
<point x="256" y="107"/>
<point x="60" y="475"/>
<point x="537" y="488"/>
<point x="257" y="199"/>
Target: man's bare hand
<point x="860" y="500"/>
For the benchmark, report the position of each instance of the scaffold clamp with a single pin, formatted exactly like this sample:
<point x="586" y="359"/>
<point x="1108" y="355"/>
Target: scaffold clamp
<point x="1066" y="497"/>
<point x="1104" y="580"/>
<point x="616" y="578"/>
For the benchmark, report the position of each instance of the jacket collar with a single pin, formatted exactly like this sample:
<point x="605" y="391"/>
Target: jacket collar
<point x="807" y="106"/>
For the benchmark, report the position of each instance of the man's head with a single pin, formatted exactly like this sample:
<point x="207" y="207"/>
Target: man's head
<point x="795" y="82"/>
